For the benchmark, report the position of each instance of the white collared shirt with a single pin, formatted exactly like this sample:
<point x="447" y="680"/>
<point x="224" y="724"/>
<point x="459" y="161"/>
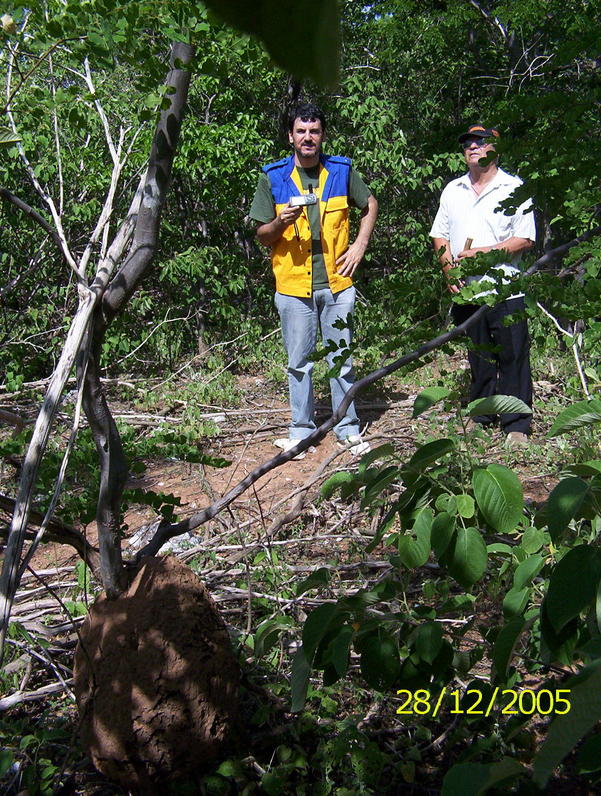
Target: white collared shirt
<point x="462" y="214"/>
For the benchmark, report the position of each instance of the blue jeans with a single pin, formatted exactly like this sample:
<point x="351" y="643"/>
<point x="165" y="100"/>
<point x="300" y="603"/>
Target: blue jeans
<point x="300" y="319"/>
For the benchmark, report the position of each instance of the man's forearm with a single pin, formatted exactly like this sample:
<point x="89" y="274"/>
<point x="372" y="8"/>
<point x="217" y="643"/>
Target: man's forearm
<point x="367" y="223"/>
<point x="442" y="248"/>
<point x="511" y="246"/>
<point x="268" y="234"/>
<point x="348" y="263"/>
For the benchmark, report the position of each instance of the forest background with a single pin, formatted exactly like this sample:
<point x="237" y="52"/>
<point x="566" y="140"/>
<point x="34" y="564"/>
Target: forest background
<point x="81" y="105"/>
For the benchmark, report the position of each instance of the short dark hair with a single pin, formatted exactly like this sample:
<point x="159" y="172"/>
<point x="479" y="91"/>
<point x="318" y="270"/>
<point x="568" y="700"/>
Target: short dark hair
<point x="307" y="112"/>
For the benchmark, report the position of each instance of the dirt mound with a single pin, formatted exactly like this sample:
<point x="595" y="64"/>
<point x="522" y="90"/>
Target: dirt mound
<point x="155" y="677"/>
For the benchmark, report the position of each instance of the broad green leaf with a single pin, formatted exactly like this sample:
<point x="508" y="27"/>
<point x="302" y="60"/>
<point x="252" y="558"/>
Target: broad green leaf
<point x="473" y="779"/>
<point x="318" y="623"/>
<point x="321" y="577"/>
<point x="414" y="546"/>
<point x="430" y="453"/>
<point x="583" y="697"/>
<point x="378" y="484"/>
<point x="584" y="469"/>
<point x="304" y="40"/>
<point x="498" y="405"/>
<point x="589" y="756"/>
<point x="515" y="601"/>
<point x="268" y="633"/>
<point x="467" y="556"/>
<point x="500" y="547"/>
<point x="499" y="496"/>
<point x="299" y="681"/>
<point x="527" y="570"/>
<point x="504" y="646"/>
<point x="428" y="641"/>
<point x="563" y="505"/>
<point x="532" y="540"/>
<point x="573" y="585"/>
<point x="337" y="651"/>
<point x="583" y="413"/>
<point x="334" y="482"/>
<point x="443" y="528"/>
<point x="427" y="398"/>
<point x="465" y="506"/>
<point x="380" y="662"/>
<point x="375" y="453"/>
<point x="384" y="526"/>
<point x="6" y="761"/>
<point x="7" y="137"/>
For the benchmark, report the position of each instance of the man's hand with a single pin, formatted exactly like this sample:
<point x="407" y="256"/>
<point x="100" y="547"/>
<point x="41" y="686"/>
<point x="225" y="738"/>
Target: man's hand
<point x="348" y="263"/>
<point x="268" y="234"/>
<point x="289" y="215"/>
<point x="475" y="250"/>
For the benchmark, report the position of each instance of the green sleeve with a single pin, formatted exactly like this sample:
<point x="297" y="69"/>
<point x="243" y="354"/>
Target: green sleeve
<point x="262" y="208"/>
<point x="358" y="191"/>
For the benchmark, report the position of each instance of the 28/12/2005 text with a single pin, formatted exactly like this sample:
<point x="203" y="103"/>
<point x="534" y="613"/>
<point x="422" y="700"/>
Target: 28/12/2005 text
<point x="475" y="702"/>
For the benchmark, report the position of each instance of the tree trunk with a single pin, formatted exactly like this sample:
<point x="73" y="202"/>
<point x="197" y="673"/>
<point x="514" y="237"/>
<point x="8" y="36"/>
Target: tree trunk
<point x="113" y="467"/>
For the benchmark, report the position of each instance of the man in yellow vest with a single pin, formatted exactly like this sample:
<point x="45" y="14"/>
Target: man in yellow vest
<point x="302" y="208"/>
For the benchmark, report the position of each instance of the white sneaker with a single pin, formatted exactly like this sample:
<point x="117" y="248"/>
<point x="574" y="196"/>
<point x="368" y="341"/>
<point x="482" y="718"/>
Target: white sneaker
<point x="285" y="444"/>
<point x="355" y="444"/>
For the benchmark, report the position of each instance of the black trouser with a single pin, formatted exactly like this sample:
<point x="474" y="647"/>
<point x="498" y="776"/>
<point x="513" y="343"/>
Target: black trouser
<point x="506" y="369"/>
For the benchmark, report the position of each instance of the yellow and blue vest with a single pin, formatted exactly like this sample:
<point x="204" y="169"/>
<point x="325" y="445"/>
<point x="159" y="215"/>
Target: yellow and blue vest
<point x="291" y="254"/>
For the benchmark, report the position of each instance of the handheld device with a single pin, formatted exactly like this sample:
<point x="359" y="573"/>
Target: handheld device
<point x="302" y="201"/>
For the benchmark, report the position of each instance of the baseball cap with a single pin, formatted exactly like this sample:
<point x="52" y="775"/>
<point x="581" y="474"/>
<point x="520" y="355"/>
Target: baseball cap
<point x="478" y="131"/>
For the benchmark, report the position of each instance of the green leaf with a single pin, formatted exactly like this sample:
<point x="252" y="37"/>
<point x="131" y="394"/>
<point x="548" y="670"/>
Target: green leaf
<point x="442" y="532"/>
<point x="589" y="756"/>
<point x="465" y="506"/>
<point x="6" y="761"/>
<point x="584" y="698"/>
<point x="375" y="453"/>
<point x="7" y="137"/>
<point x="473" y="779"/>
<point x="427" y="398"/>
<point x="268" y="633"/>
<point x="584" y="469"/>
<point x="334" y="482"/>
<point x="532" y="540"/>
<point x="430" y="453"/>
<point x="382" y="529"/>
<point x="299" y="681"/>
<point x="428" y="641"/>
<point x="499" y="496"/>
<point x="414" y="546"/>
<point x="337" y="652"/>
<point x="498" y="405"/>
<point x="321" y="577"/>
<point x="303" y="40"/>
<point x="504" y="646"/>
<point x="515" y="601"/>
<point x="527" y="570"/>
<point x="317" y="624"/>
<point x="382" y="479"/>
<point x="380" y="662"/>
<point x="583" y="413"/>
<point x="467" y="556"/>
<point x="563" y="505"/>
<point x="573" y="585"/>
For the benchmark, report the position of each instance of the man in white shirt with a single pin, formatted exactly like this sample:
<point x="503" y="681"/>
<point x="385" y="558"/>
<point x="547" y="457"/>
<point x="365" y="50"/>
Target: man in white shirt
<point x="469" y="220"/>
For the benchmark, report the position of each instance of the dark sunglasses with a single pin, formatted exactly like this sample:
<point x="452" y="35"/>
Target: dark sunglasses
<point x="478" y="141"/>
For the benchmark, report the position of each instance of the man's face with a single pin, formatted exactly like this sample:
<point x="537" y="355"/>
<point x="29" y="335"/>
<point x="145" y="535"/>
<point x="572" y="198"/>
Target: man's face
<point x="306" y="138"/>
<point x="475" y="148"/>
